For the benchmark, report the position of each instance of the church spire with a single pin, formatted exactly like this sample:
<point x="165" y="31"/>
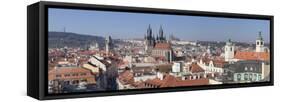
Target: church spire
<point x="161" y="32"/>
<point x="149" y="32"/>
<point x="260" y="36"/>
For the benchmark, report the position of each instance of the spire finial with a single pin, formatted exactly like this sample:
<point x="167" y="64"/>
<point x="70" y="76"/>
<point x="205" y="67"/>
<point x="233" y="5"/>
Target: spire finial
<point x="260" y="36"/>
<point x="161" y="32"/>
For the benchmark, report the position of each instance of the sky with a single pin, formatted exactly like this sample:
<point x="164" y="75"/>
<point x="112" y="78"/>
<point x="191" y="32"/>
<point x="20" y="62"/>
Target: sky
<point x="125" y="25"/>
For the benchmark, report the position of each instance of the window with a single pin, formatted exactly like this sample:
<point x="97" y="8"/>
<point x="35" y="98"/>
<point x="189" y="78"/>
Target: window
<point x="259" y="77"/>
<point x="246" y="68"/>
<point x="250" y="76"/>
<point x="258" y="43"/>
<point x="261" y="43"/>
<point x="238" y="77"/>
<point x="246" y="76"/>
<point x="255" y="77"/>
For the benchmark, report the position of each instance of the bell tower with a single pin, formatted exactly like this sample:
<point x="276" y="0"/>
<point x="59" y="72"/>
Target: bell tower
<point x="229" y="50"/>
<point x="259" y="43"/>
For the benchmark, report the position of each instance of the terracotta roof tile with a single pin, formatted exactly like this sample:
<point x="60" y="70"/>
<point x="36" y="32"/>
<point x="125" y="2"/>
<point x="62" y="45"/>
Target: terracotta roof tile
<point x="72" y="73"/>
<point x="171" y="81"/>
<point x="195" y="68"/>
<point x="126" y="77"/>
<point x="69" y="70"/>
<point x="163" y="46"/>
<point x="264" y="56"/>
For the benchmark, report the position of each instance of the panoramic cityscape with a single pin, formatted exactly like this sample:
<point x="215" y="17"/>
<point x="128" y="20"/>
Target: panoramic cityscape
<point x="98" y="55"/>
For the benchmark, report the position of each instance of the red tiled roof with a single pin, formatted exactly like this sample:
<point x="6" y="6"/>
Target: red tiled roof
<point x="73" y="73"/>
<point x="171" y="81"/>
<point x="195" y="68"/>
<point x="162" y="46"/>
<point x="126" y="77"/>
<point x="203" y="81"/>
<point x="69" y="70"/>
<point x="87" y="52"/>
<point x="217" y="62"/>
<point x="264" y="56"/>
<point x="55" y="53"/>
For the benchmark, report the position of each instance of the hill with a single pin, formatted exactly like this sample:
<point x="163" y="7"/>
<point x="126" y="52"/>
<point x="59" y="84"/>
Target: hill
<point x="62" y="39"/>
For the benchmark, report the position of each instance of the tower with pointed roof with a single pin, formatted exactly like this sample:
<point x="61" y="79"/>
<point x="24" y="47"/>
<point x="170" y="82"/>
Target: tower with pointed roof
<point x="259" y="43"/>
<point x="161" y="38"/>
<point x="108" y="44"/>
<point x="149" y="40"/>
<point x="229" y="50"/>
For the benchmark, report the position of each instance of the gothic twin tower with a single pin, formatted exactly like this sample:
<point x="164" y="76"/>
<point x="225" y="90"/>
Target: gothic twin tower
<point x="151" y="40"/>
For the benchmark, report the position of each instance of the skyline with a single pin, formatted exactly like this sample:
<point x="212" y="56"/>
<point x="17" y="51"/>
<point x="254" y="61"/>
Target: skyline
<point x="135" y="25"/>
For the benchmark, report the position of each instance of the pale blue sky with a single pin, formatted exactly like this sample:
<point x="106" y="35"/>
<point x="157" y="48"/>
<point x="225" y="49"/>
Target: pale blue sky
<point x="126" y="25"/>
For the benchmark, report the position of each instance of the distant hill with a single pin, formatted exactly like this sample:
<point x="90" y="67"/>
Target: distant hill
<point x="62" y="39"/>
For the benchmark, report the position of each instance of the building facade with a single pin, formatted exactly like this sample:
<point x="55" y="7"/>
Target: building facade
<point x="245" y="71"/>
<point x="163" y="51"/>
<point x="72" y="76"/>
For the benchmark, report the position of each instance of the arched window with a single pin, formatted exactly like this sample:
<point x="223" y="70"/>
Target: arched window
<point x="255" y="77"/>
<point x="246" y="76"/>
<point x="238" y="77"/>
<point x="259" y="77"/>
<point x="250" y="76"/>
